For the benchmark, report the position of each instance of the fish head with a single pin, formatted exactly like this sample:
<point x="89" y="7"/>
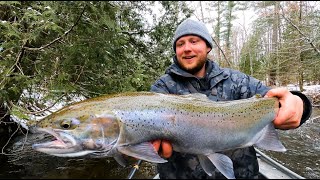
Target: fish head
<point x="78" y="133"/>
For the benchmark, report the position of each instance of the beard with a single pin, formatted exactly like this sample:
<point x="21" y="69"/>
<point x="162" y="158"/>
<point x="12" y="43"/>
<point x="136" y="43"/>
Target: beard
<point x="195" y="69"/>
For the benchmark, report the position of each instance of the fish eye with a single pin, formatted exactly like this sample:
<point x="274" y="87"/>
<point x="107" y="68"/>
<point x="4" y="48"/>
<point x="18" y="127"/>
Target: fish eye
<point x="69" y="123"/>
<point x="65" y="124"/>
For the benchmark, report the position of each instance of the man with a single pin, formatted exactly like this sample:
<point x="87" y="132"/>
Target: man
<point x="193" y="72"/>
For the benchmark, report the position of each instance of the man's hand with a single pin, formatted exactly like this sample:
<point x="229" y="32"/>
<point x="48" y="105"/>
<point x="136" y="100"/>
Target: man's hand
<point x="166" y="147"/>
<point x="291" y="110"/>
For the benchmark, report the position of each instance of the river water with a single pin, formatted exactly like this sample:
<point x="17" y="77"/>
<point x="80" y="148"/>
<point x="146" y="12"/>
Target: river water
<point x="22" y="162"/>
<point x="303" y="148"/>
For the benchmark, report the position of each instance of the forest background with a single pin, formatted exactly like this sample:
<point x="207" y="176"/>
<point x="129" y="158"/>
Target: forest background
<point x="54" y="51"/>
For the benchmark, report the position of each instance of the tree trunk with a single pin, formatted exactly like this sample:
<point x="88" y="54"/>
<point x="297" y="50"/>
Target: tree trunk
<point x="300" y="69"/>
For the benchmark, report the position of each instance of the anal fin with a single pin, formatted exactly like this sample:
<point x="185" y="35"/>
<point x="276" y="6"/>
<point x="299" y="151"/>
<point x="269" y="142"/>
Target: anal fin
<point x="222" y="162"/>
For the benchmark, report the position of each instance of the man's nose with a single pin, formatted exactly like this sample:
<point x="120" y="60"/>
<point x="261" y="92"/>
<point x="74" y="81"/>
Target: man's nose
<point x="187" y="46"/>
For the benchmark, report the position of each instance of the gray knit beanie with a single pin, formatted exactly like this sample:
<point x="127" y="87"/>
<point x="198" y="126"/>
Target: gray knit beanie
<point x="192" y="27"/>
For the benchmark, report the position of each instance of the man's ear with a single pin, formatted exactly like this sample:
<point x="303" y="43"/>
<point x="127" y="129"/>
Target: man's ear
<point x="209" y="50"/>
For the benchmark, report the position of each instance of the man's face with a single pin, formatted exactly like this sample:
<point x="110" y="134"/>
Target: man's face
<point x="192" y="53"/>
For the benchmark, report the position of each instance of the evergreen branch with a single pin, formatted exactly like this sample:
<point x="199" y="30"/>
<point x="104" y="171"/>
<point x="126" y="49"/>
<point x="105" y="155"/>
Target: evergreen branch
<point x="11" y="136"/>
<point x="79" y="74"/>
<point x="16" y="64"/>
<point x="20" y="55"/>
<point x="5" y="114"/>
<point x="300" y="32"/>
<point x="37" y="112"/>
<point x="57" y="39"/>
<point x="142" y="31"/>
<point x="136" y="32"/>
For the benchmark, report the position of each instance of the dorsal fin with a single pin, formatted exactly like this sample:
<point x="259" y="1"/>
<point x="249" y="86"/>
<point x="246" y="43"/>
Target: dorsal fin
<point x="196" y="96"/>
<point x="257" y="96"/>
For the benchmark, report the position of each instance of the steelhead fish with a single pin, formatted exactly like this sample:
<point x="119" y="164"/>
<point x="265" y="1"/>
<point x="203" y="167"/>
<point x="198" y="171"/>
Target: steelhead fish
<point x="126" y="123"/>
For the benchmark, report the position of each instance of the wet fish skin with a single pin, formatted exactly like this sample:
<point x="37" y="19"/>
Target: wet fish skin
<point x="126" y="123"/>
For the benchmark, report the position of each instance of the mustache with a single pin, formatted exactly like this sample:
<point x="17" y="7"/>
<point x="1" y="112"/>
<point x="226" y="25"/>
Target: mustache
<point x="194" y="69"/>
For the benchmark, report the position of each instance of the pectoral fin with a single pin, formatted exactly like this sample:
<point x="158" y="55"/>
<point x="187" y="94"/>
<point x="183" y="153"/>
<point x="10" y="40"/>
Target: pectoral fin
<point x="222" y="162"/>
<point x="269" y="139"/>
<point x="144" y="151"/>
<point x="119" y="158"/>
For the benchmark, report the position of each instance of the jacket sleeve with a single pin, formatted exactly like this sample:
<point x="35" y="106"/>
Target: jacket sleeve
<point x="159" y="86"/>
<point x="249" y="86"/>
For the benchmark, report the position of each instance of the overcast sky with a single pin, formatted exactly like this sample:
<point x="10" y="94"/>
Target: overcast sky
<point x="243" y="20"/>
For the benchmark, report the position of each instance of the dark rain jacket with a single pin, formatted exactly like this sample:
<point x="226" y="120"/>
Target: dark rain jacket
<point x="219" y="84"/>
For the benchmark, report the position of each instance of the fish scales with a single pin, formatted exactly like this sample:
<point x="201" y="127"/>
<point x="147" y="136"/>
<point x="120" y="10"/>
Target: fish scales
<point x="126" y="123"/>
<point x="175" y="117"/>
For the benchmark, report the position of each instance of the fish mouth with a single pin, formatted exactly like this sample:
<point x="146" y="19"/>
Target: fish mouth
<point x="64" y="144"/>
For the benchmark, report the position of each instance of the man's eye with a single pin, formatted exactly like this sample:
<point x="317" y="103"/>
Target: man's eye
<point x="179" y="44"/>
